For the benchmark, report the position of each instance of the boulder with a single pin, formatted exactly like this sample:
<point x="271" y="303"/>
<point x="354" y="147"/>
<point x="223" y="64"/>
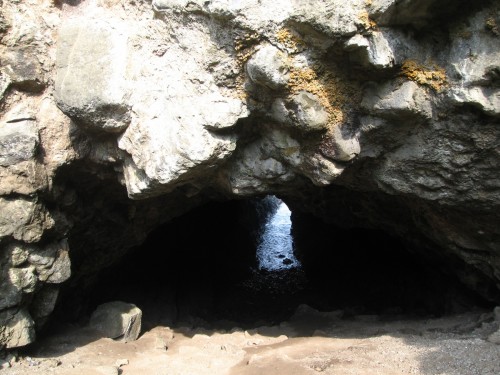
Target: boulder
<point x="117" y="320"/>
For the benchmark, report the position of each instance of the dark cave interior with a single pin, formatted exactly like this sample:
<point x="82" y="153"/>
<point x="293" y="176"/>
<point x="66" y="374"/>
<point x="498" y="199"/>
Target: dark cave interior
<point x="200" y="269"/>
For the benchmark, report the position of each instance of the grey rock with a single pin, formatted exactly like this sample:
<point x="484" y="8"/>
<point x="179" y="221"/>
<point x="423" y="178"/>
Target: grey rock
<point x="90" y="83"/>
<point x="10" y="295"/>
<point x="340" y="146"/>
<point x="117" y="320"/>
<point x="486" y="99"/>
<point x="393" y="100"/>
<point x="334" y="18"/>
<point x="303" y="111"/>
<point x="268" y="68"/>
<point x="380" y="53"/>
<point x="257" y="170"/>
<point x="16" y="254"/>
<point x="16" y="328"/>
<point x="169" y="148"/>
<point x="309" y="113"/>
<point x="18" y="140"/>
<point x="23" y="279"/>
<point x="319" y="170"/>
<point x="53" y="263"/>
<point x="23" y="68"/>
<point x="23" y="219"/>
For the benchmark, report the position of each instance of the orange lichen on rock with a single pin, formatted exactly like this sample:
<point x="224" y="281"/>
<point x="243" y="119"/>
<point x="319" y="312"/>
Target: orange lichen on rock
<point x="333" y="92"/>
<point x="290" y="39"/>
<point x="244" y="45"/>
<point x="367" y="22"/>
<point x="434" y="77"/>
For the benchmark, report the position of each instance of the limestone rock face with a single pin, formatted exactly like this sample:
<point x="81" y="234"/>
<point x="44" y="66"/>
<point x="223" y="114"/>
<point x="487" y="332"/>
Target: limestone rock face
<point x="116" y="117"/>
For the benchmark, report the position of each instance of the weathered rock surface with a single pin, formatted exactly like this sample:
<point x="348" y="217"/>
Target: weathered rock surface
<point x="118" y="116"/>
<point x="16" y="328"/>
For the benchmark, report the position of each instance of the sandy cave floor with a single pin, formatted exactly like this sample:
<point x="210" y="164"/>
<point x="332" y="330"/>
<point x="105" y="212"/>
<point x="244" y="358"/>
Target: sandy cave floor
<point x="310" y="342"/>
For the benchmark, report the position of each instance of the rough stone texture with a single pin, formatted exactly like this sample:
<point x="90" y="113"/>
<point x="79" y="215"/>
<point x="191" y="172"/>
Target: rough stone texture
<point x="52" y="263"/>
<point x="91" y="63"/>
<point x="16" y="328"/>
<point x="18" y="137"/>
<point x="268" y="67"/>
<point x="117" y="320"/>
<point x="23" y="219"/>
<point x="23" y="69"/>
<point x="116" y="117"/>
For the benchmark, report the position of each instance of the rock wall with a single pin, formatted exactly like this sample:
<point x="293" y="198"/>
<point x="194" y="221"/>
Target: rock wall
<point x="117" y="116"/>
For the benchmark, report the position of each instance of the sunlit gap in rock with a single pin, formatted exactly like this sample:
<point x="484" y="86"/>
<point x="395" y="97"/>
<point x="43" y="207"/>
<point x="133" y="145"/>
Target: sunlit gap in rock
<point x="275" y="249"/>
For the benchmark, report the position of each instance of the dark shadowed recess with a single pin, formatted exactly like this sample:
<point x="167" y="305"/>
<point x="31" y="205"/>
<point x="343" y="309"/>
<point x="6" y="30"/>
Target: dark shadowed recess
<point x="200" y="270"/>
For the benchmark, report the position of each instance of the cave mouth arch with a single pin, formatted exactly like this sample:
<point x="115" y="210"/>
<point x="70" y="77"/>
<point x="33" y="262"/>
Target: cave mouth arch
<point x="201" y="269"/>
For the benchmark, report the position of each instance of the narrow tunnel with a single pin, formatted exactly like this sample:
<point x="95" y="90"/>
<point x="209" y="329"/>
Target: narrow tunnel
<point x="210" y="268"/>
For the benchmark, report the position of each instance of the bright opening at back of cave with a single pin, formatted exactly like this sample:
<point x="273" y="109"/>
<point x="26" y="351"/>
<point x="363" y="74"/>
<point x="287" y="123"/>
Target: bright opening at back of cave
<point x="275" y="249"/>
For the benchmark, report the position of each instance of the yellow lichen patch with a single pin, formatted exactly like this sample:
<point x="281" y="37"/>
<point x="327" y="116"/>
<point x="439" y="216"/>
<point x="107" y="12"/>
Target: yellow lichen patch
<point x="433" y="77"/>
<point x="333" y="92"/>
<point x="367" y="22"/>
<point x="290" y="39"/>
<point x="244" y="45"/>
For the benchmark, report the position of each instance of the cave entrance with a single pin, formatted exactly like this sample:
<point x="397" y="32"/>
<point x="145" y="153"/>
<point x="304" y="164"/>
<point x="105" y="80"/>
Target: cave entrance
<point x="210" y="266"/>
